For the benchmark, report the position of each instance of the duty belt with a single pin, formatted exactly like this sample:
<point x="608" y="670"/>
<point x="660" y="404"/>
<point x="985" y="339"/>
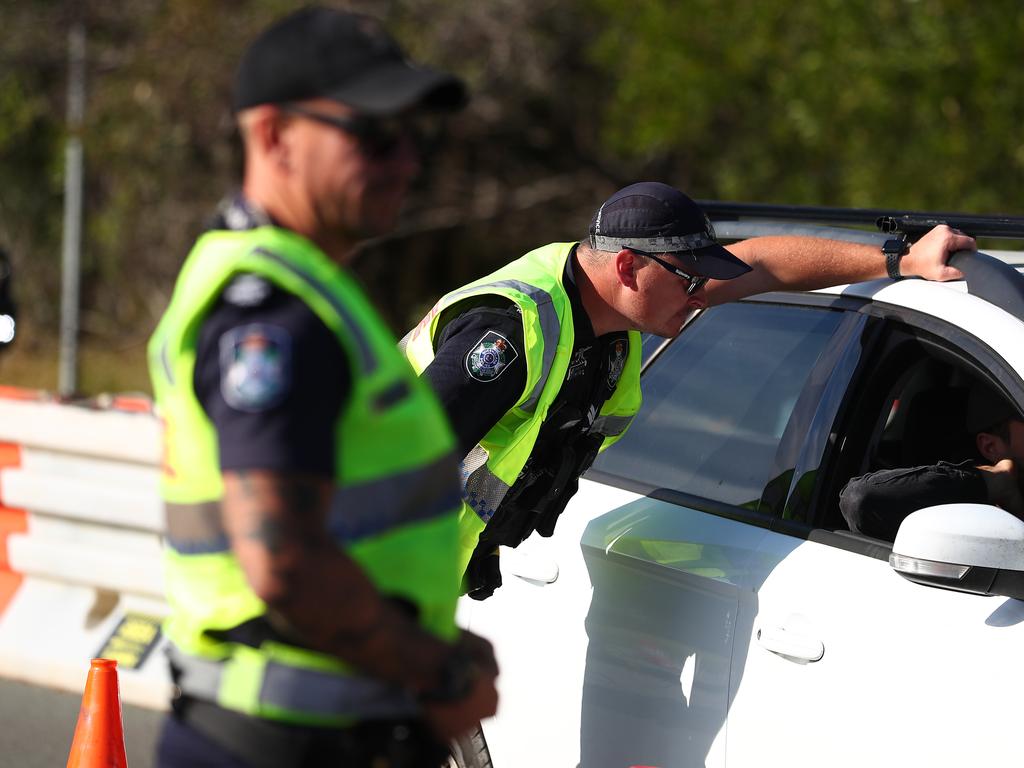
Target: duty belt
<point x="283" y="687"/>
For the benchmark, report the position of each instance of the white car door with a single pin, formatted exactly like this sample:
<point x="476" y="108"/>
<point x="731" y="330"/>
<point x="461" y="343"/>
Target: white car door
<point x="536" y="621"/>
<point x="908" y="674"/>
<point x="624" y="659"/>
<point x="847" y="663"/>
<point x="615" y="637"/>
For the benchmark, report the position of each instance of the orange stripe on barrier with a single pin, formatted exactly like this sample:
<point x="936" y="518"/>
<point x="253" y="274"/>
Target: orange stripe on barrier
<point x="19" y="393"/>
<point x="9" y="583"/>
<point x="11" y="521"/>
<point x="132" y="404"/>
<point x="10" y="455"/>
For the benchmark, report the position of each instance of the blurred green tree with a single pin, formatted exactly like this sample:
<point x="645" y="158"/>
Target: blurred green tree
<point x="914" y="104"/>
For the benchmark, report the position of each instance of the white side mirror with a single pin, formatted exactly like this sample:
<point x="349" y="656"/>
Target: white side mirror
<point x="965" y="547"/>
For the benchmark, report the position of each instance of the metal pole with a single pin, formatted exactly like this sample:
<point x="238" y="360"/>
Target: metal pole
<point x="71" y="252"/>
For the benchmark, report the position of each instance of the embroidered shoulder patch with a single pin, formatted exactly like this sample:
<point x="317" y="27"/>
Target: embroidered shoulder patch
<point x="491" y="355"/>
<point x="616" y="362"/>
<point x="255" y="366"/>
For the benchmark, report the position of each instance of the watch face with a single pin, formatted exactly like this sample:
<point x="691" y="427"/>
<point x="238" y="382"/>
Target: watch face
<point x="896" y="246"/>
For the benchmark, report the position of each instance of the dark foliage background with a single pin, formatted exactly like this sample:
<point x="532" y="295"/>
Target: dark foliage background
<point x="912" y="104"/>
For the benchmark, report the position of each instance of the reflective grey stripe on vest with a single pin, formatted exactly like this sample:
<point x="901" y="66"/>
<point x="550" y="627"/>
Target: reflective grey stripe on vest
<point x="482" y="490"/>
<point x="550" y="327"/>
<point x="610" y="426"/>
<point x="357" y="511"/>
<point x="367" y="509"/>
<point x="196" y="529"/>
<point x="165" y="361"/>
<point x="298" y="690"/>
<point x="403" y="342"/>
<point x="368" y="359"/>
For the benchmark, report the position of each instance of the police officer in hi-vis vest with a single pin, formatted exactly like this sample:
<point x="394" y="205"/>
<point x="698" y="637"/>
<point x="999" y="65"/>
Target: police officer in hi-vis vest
<point x="538" y="364"/>
<point x="310" y="477"/>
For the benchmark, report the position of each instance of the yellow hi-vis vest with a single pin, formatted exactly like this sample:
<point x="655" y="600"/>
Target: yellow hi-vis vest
<point x="534" y="284"/>
<point x="393" y="511"/>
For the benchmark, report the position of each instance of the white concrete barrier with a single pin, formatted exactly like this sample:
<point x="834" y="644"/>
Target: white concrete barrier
<point x="80" y="543"/>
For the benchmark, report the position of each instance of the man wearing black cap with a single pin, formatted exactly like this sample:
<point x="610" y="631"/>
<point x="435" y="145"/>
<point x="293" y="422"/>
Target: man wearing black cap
<point x="877" y="503"/>
<point x="310" y="477"/>
<point x="538" y="364"/>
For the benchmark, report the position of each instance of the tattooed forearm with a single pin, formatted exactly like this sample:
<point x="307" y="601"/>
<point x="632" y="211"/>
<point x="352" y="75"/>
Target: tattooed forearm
<point x="276" y="510"/>
<point x="277" y="525"/>
<point x="303" y="495"/>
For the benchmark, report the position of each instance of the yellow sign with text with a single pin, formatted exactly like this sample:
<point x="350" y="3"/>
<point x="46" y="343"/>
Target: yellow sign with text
<point x="132" y="640"/>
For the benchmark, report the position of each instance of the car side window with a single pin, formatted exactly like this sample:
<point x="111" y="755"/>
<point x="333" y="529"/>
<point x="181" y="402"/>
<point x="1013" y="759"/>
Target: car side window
<point x="717" y="401"/>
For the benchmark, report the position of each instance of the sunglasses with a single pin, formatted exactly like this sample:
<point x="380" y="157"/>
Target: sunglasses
<point x="694" y="282"/>
<point x="378" y="137"/>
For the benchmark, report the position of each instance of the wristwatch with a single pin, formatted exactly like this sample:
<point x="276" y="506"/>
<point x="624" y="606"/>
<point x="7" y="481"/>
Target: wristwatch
<point x="456" y="677"/>
<point x="894" y="248"/>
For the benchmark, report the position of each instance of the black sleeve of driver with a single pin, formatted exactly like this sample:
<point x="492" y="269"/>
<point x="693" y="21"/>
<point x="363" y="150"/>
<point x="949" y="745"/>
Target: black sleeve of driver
<point x="479" y="370"/>
<point x="876" y="503"/>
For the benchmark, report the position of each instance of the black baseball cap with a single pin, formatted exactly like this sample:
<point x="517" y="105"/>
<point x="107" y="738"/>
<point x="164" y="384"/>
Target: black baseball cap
<point x="328" y="53"/>
<point x="654" y="217"/>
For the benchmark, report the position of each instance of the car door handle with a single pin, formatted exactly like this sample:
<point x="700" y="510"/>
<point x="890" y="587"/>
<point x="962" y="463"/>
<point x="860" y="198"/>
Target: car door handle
<point x="535" y="569"/>
<point x="792" y="645"/>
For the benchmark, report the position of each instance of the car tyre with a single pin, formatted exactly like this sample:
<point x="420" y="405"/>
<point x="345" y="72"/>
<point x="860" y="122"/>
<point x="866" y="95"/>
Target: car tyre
<point x="470" y="751"/>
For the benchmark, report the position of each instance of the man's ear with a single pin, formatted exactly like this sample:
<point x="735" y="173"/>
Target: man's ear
<point x="264" y="130"/>
<point x="992" y="447"/>
<point x="626" y="265"/>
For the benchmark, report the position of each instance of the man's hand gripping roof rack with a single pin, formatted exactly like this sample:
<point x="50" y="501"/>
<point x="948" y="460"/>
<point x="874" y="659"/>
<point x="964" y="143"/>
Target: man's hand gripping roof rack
<point x="989" y="278"/>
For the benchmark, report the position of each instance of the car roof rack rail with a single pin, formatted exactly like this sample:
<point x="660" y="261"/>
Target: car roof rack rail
<point x="910" y="224"/>
<point x="989" y="278"/>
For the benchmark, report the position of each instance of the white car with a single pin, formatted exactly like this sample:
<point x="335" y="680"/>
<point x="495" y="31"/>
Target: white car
<point x="702" y="601"/>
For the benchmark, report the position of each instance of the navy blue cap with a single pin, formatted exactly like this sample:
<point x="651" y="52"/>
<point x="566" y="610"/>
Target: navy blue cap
<point x="329" y="53"/>
<point x="654" y="217"/>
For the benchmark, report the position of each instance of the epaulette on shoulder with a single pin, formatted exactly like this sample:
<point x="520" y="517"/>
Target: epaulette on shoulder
<point x="248" y="290"/>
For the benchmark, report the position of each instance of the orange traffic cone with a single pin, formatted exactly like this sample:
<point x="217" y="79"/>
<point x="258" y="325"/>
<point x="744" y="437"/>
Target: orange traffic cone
<point x="99" y="734"/>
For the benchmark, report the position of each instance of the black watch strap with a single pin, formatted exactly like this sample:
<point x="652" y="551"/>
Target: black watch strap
<point x="894" y="249"/>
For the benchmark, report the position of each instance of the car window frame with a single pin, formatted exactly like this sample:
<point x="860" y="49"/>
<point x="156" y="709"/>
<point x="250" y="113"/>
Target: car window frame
<point x="952" y="339"/>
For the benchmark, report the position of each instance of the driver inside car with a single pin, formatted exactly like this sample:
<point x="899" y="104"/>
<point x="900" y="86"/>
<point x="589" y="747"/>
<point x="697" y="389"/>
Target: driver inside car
<point x="876" y="503"/>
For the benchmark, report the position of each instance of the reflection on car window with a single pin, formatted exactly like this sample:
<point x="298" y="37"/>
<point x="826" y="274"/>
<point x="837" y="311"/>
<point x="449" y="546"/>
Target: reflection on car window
<point x="649" y="345"/>
<point x="717" y="401"/>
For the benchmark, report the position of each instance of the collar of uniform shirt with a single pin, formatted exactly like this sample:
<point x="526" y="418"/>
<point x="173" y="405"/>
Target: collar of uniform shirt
<point x="580" y="318"/>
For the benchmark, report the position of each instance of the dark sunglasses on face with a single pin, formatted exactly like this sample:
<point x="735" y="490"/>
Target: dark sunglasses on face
<point x="378" y="137"/>
<point x="694" y="282"/>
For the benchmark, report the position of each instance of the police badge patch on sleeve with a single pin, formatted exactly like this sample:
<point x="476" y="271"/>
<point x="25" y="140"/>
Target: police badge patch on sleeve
<point x="616" y="362"/>
<point x="491" y="355"/>
<point x="255" y="366"/>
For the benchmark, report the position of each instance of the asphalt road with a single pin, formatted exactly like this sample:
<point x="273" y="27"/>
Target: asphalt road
<point x="37" y="725"/>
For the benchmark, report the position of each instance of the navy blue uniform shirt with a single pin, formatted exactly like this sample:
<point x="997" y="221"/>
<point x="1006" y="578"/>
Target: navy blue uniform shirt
<point x="269" y="374"/>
